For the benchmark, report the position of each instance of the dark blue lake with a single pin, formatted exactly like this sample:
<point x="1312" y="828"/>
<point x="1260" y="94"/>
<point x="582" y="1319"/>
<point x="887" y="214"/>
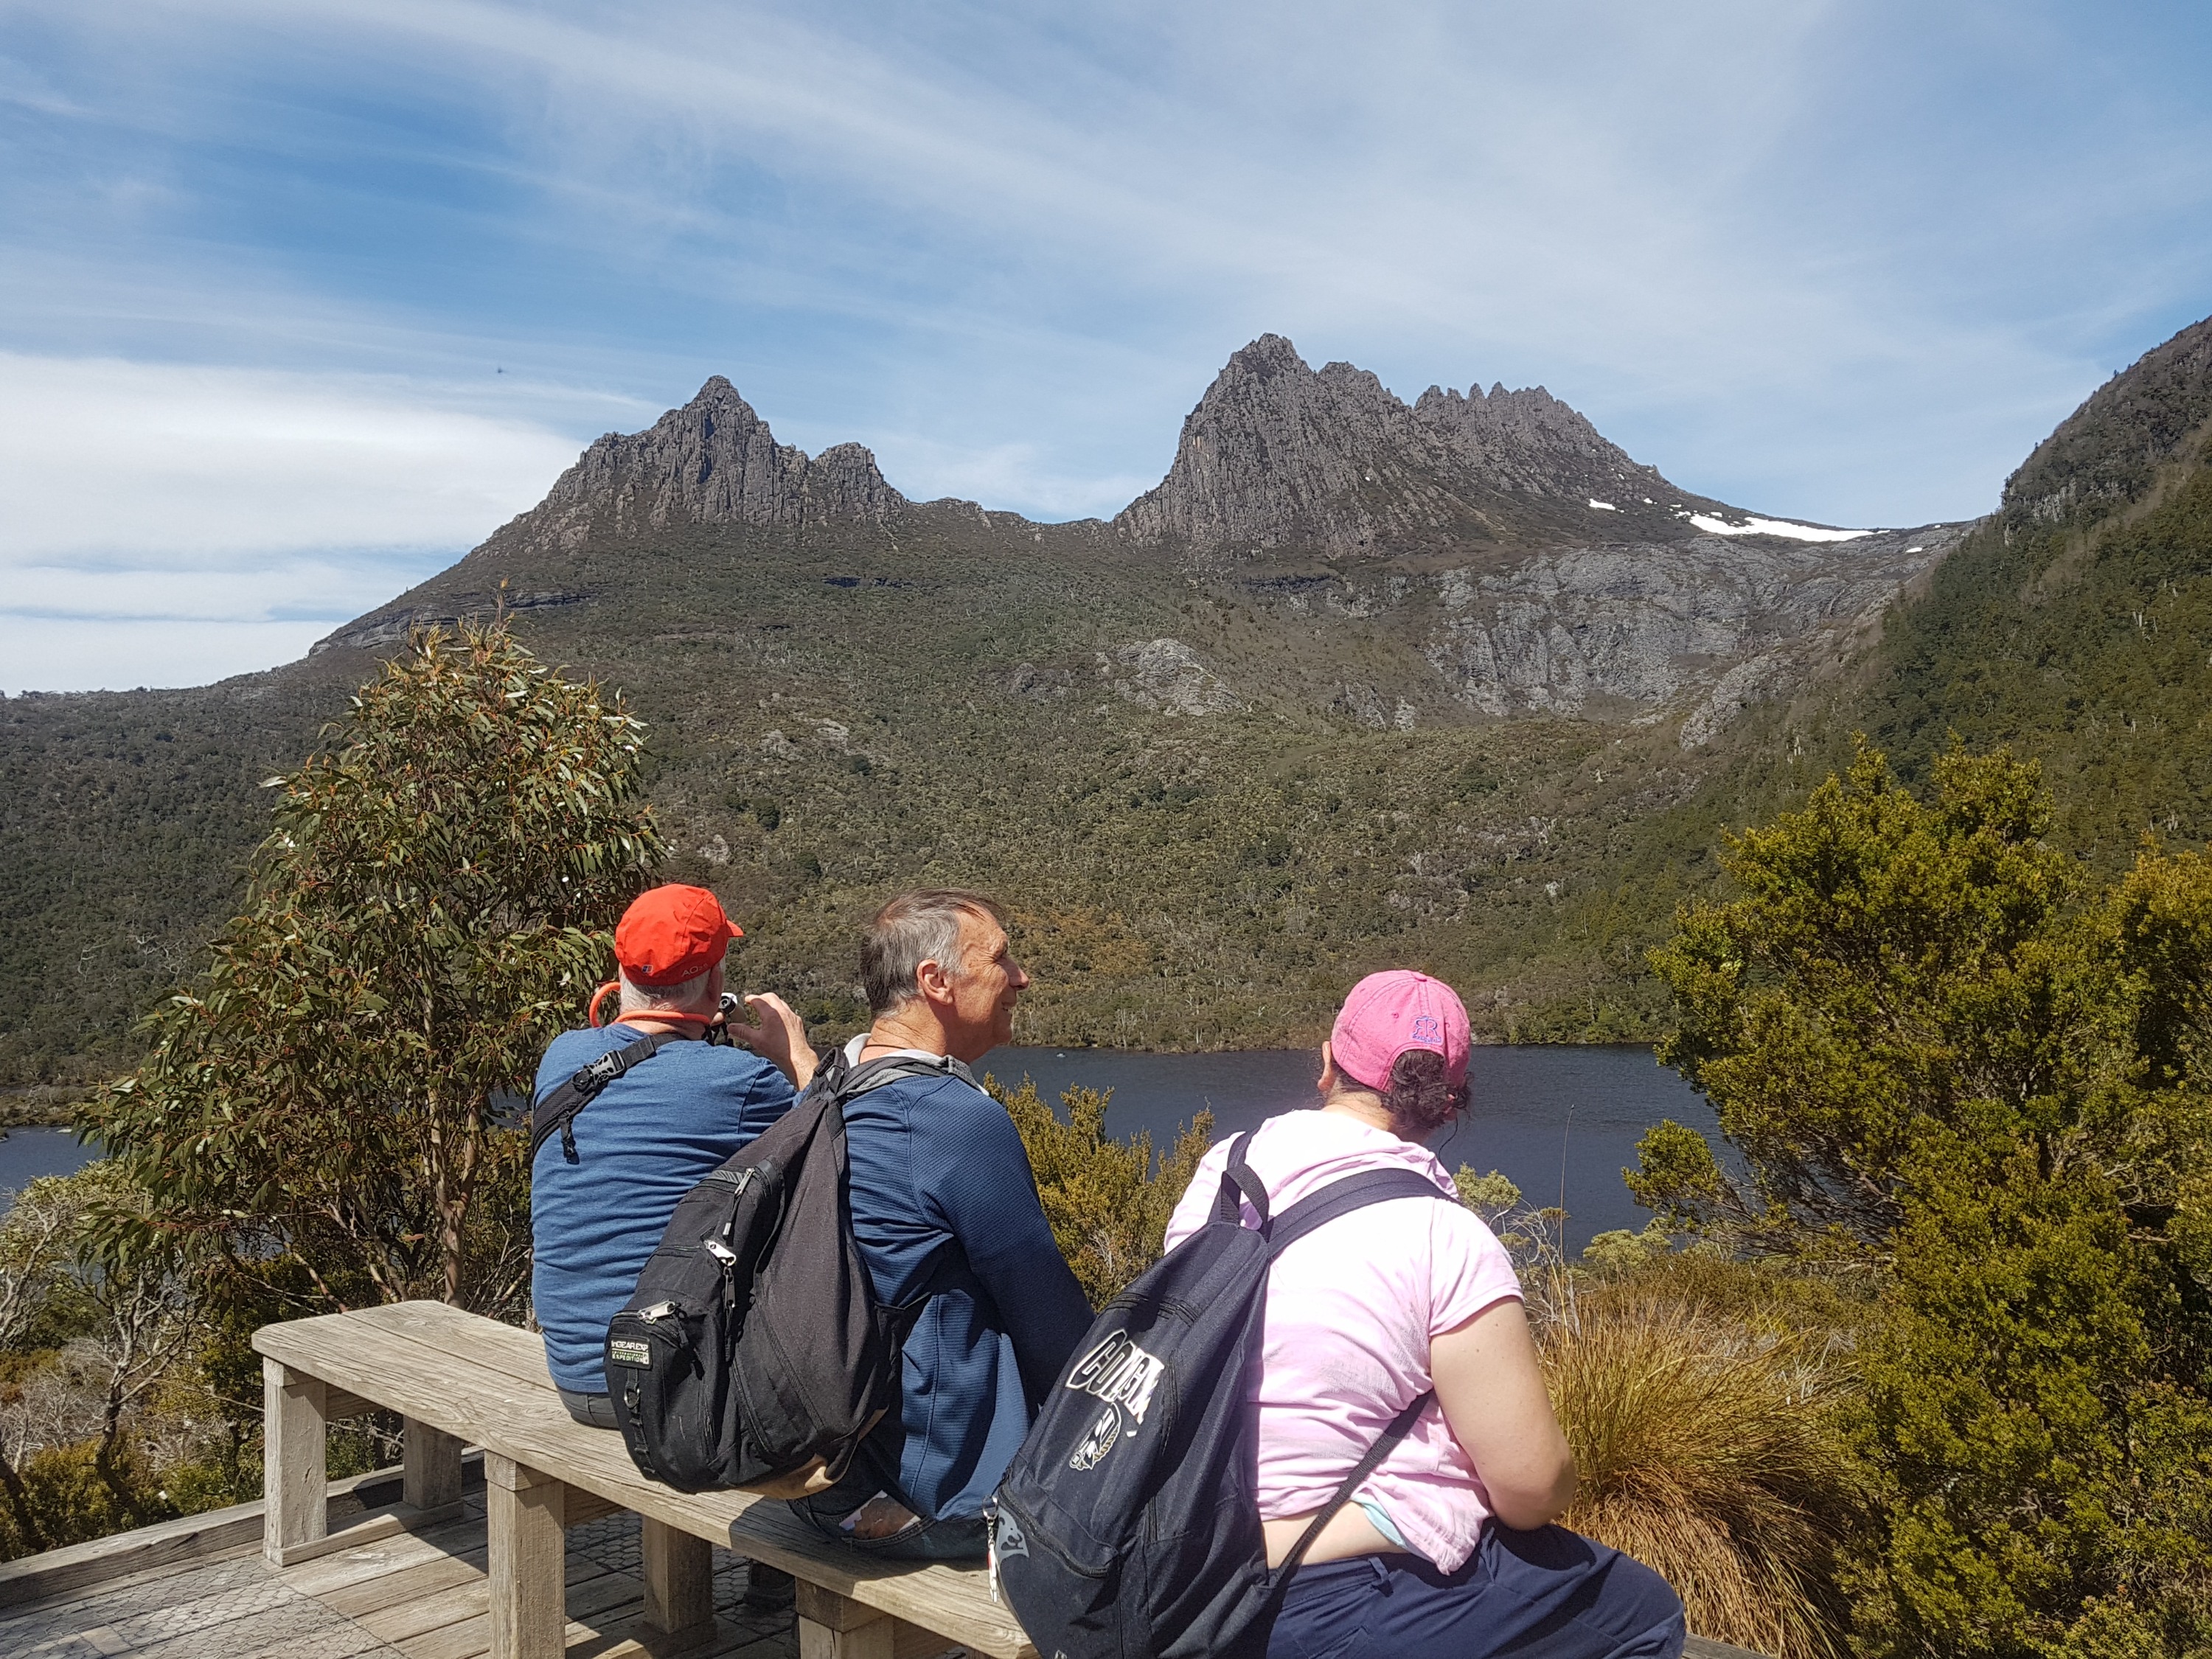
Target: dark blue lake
<point x="1560" y="1122"/>
<point x="27" y="1154"/>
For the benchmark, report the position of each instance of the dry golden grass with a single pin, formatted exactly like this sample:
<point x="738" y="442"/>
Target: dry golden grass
<point x="1704" y="1431"/>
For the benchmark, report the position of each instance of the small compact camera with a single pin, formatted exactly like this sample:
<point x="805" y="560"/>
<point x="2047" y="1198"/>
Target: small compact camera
<point x="718" y="1033"/>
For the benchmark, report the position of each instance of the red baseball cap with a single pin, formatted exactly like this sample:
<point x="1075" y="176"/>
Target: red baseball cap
<point x="1388" y="1014"/>
<point x="673" y="934"/>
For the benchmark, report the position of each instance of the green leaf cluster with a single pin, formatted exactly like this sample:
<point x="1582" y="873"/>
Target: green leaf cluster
<point x="1108" y="1201"/>
<point x="432" y="909"/>
<point x="1941" y="1049"/>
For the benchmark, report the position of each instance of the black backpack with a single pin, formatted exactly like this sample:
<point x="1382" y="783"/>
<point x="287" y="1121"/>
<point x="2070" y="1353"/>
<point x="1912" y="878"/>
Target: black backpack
<point x="754" y="1352"/>
<point x="1128" y="1526"/>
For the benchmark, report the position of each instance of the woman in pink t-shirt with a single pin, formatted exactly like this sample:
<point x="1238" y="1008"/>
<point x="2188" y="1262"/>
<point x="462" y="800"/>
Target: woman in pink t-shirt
<point x="1447" y="1548"/>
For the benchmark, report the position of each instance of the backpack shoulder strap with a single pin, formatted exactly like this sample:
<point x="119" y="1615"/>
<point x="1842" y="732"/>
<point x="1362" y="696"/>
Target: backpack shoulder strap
<point x="1341" y="1198"/>
<point x="841" y="1079"/>
<point x="1400" y="1427"/>
<point x="562" y="1103"/>
<point x="1238" y="1178"/>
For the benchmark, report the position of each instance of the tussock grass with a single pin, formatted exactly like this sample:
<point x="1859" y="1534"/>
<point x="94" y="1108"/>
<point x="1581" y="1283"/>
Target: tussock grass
<point x="1704" y="1421"/>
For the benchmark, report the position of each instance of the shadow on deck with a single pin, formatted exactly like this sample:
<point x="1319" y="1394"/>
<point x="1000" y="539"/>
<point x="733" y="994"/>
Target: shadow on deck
<point x="419" y="1596"/>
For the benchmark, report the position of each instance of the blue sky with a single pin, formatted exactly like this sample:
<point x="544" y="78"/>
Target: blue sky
<point x="302" y="299"/>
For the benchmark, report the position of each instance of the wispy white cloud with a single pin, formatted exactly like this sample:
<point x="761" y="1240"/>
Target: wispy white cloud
<point x="1842" y="262"/>
<point x="167" y="462"/>
<point x="226" y="510"/>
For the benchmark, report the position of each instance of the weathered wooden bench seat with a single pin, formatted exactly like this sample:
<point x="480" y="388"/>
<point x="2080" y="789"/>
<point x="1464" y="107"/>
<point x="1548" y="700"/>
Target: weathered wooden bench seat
<point x="456" y="1378"/>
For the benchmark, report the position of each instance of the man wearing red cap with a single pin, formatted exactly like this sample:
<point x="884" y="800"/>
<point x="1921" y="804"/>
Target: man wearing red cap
<point x="601" y="1193"/>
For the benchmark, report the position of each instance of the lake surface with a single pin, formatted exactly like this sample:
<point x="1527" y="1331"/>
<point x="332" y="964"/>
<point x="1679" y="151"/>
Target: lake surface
<point x="1553" y="1120"/>
<point x="1560" y="1122"/>
<point x="27" y="1154"/>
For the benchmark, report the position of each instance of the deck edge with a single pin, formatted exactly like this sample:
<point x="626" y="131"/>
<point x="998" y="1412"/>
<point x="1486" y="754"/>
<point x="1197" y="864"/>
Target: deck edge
<point x="72" y="1566"/>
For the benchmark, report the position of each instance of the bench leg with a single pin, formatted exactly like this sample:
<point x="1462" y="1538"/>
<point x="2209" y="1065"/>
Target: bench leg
<point x="526" y="1556"/>
<point x="430" y="1467"/>
<point x="679" y="1578"/>
<point x="832" y="1627"/>
<point x="295" y="1446"/>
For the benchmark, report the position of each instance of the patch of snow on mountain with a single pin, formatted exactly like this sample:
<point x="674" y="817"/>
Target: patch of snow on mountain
<point x="1603" y="507"/>
<point x="1796" y="532"/>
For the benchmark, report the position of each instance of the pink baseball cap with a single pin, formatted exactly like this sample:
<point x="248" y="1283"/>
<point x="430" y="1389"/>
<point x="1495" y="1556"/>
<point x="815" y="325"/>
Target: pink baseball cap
<point x="1391" y="1013"/>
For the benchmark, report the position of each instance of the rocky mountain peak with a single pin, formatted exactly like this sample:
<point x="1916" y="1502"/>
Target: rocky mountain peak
<point x="1279" y="455"/>
<point x="714" y="461"/>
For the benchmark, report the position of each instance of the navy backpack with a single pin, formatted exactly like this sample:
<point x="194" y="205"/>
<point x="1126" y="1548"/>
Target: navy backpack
<point x="1128" y="1526"/>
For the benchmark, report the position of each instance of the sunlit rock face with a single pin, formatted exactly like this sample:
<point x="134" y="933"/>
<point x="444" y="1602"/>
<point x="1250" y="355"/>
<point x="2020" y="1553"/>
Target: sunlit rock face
<point x="1555" y="573"/>
<point x="1277" y="455"/>
<point x="713" y="461"/>
<point x="1727" y="621"/>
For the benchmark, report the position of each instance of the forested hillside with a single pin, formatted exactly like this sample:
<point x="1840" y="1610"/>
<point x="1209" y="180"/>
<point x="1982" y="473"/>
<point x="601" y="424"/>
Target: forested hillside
<point x="1214" y="778"/>
<point x="2073" y="626"/>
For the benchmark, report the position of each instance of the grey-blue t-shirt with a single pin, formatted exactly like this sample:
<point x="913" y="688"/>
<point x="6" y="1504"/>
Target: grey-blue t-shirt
<point x="647" y="1139"/>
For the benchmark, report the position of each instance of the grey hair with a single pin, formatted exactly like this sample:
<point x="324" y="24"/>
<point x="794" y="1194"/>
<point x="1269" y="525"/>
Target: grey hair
<point x="638" y="999"/>
<point x="922" y="925"/>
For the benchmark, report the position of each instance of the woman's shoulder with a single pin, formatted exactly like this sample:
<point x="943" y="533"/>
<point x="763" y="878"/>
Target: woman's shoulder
<point x="1299" y="1152"/>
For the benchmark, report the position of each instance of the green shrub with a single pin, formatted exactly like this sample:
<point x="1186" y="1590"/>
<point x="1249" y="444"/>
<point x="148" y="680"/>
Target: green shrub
<point x="1948" y="1059"/>
<point x="1109" y="1200"/>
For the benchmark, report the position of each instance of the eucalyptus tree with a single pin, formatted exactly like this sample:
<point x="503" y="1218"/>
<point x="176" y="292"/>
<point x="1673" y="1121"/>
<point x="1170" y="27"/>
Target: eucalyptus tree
<point x="320" y="1113"/>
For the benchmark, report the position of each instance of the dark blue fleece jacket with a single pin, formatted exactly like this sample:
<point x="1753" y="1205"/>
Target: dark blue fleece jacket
<point x="943" y="1201"/>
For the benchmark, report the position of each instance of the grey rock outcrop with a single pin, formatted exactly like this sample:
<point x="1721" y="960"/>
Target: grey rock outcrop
<point x="1716" y="624"/>
<point x="1279" y="455"/>
<point x="1166" y="676"/>
<point x="713" y="461"/>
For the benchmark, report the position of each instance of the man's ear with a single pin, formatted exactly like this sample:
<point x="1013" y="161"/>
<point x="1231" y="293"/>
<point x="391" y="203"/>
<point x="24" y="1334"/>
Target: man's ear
<point x="1330" y="1077"/>
<point x="935" y="984"/>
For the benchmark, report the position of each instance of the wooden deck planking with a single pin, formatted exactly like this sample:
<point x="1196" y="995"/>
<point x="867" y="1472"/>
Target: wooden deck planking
<point x="417" y="1597"/>
<point x="494" y="1385"/>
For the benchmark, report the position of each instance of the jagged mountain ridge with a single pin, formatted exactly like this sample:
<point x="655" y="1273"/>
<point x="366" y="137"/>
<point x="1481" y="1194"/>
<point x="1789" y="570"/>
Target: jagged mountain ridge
<point x="712" y="461"/>
<point x="1277" y="456"/>
<point x="1204" y="770"/>
<point x="1471" y="524"/>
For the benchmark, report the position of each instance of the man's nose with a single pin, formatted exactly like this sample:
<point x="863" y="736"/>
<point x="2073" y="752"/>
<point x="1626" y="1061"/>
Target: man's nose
<point x="1018" y="976"/>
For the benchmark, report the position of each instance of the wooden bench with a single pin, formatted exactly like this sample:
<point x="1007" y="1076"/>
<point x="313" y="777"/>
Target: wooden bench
<point x="456" y="1378"/>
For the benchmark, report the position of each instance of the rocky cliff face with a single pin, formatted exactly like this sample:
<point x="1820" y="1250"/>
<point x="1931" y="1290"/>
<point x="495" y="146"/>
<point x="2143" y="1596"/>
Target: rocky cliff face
<point x="1711" y="625"/>
<point x="2108" y="451"/>
<point x="713" y="461"/>
<point x="1279" y="456"/>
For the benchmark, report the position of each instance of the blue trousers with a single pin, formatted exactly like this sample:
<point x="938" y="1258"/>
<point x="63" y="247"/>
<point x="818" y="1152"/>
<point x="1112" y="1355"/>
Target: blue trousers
<point x="1550" y="1594"/>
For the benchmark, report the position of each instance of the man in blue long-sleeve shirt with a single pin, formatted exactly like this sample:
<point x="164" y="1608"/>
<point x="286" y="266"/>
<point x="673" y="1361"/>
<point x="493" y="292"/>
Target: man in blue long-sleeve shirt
<point x="944" y="1206"/>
